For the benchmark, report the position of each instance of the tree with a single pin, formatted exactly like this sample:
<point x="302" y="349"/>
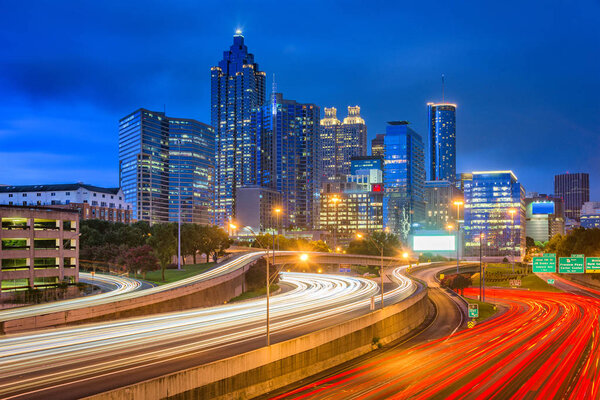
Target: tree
<point x="529" y="242"/>
<point x="319" y="245"/>
<point x="164" y="243"/>
<point x="372" y="244"/>
<point x="140" y="258"/>
<point x="213" y="241"/>
<point x="457" y="282"/>
<point x="190" y="242"/>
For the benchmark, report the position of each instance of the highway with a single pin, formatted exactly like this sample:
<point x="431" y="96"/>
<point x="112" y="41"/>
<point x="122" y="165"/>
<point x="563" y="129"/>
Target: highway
<point x="127" y="289"/>
<point x="545" y="345"/>
<point x="119" y="285"/>
<point x="75" y="362"/>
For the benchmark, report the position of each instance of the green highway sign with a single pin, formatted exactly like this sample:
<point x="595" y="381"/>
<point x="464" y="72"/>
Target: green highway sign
<point x="550" y="255"/>
<point x="578" y="255"/>
<point x="544" y="264"/>
<point x="550" y="281"/>
<point x="592" y="265"/>
<point x="571" y="265"/>
<point x="473" y="310"/>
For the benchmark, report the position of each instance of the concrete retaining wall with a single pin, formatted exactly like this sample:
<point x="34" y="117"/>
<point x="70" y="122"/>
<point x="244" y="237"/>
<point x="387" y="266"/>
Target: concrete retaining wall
<point x="260" y="371"/>
<point x="201" y="294"/>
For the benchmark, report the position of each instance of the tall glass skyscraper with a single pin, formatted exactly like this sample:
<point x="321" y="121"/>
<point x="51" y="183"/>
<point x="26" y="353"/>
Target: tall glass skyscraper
<point x="191" y="171"/>
<point x="489" y="198"/>
<point x="403" y="178"/>
<point x="330" y="131"/>
<point x="574" y="189"/>
<point x="163" y="160"/>
<point x="442" y="141"/>
<point x="237" y="90"/>
<point x="288" y="155"/>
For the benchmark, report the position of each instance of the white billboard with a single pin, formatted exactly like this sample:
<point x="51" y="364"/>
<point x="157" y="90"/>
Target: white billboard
<point x="434" y="243"/>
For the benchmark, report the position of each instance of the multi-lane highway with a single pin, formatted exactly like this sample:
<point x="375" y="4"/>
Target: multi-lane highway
<point x="80" y="361"/>
<point x="545" y="345"/>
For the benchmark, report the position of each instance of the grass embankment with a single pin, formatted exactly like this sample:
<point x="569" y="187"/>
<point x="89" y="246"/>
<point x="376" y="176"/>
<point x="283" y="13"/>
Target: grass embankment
<point x="173" y="275"/>
<point x="255" y="293"/>
<point x="486" y="310"/>
<point x="499" y="275"/>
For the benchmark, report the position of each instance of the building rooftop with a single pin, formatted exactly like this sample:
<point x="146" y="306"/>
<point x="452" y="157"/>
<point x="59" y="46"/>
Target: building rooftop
<point x="57" y="187"/>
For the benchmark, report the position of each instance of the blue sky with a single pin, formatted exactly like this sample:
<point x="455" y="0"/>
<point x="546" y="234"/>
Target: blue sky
<point x="525" y="75"/>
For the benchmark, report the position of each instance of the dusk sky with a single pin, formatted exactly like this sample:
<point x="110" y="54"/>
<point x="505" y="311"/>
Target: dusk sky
<point x="525" y="75"/>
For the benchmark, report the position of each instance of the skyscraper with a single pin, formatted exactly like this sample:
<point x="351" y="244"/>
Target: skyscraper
<point x="237" y="90"/>
<point x="377" y="148"/>
<point x="494" y="208"/>
<point x="352" y="141"/>
<point x="163" y="160"/>
<point x="403" y="178"/>
<point x="442" y="141"/>
<point x="574" y="189"/>
<point x="330" y="129"/>
<point x="288" y="137"/>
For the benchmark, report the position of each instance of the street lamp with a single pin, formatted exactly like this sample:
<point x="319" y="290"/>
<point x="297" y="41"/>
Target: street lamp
<point x="512" y="213"/>
<point x="335" y="200"/>
<point x="380" y="248"/>
<point x="481" y="273"/>
<point x="277" y="213"/>
<point x="458" y="203"/>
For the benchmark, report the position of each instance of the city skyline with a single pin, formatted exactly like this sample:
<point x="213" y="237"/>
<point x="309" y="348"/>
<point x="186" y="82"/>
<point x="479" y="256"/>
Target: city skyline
<point x="53" y="102"/>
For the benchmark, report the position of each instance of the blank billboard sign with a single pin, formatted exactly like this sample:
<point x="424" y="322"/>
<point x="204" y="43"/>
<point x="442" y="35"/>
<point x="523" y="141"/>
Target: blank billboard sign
<point x="434" y="243"/>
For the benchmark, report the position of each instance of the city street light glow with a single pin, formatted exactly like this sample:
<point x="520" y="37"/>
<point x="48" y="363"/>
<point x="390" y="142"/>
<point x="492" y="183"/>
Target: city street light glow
<point x="303" y="257"/>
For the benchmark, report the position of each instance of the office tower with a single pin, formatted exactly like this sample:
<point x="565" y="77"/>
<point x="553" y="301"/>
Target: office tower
<point x="544" y="216"/>
<point x="590" y="215"/>
<point x="352" y="141"/>
<point x="237" y="90"/>
<point x="439" y="208"/>
<point x="442" y="141"/>
<point x="163" y="160"/>
<point x="144" y="164"/>
<point x="288" y="148"/>
<point x="574" y="189"/>
<point x="377" y="148"/>
<point x="191" y="171"/>
<point x="330" y="128"/>
<point x="494" y="208"/>
<point x="403" y="179"/>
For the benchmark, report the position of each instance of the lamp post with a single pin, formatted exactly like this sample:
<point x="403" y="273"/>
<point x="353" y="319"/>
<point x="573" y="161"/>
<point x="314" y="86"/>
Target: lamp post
<point x="179" y="208"/>
<point x="380" y="248"/>
<point x="277" y="212"/>
<point x="335" y="200"/>
<point x="512" y="213"/>
<point x="481" y="273"/>
<point x="458" y="203"/>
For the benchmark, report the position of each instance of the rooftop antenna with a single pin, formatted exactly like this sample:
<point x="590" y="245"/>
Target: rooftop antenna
<point x="443" y="82"/>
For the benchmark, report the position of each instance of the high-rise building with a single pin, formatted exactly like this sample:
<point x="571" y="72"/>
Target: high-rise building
<point x="329" y="131"/>
<point x="574" y="189"/>
<point x="237" y="90"/>
<point x="544" y="216"/>
<point x="494" y="216"/>
<point x="163" y="160"/>
<point x="191" y="171"/>
<point x="288" y="141"/>
<point x="442" y="141"/>
<point x="377" y="147"/>
<point x="403" y="178"/>
<point x="590" y="215"/>
<point x="439" y="204"/>
<point x="352" y="141"/>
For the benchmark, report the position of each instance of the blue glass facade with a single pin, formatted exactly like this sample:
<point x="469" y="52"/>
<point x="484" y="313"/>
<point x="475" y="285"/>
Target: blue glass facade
<point x="157" y="154"/>
<point x="365" y="163"/>
<point x="489" y="197"/>
<point x="237" y="90"/>
<point x="287" y="153"/>
<point x="442" y="142"/>
<point x="403" y="178"/>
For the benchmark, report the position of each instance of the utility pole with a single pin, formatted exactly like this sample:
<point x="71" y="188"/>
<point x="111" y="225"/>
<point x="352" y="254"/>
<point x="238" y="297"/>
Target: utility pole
<point x="179" y="208"/>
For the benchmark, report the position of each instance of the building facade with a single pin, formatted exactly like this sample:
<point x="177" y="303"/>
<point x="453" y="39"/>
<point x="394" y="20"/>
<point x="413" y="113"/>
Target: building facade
<point x="352" y="141"/>
<point x="590" y="215"/>
<point x="544" y="216"/>
<point x="439" y="204"/>
<point x="237" y="91"/>
<point x="377" y="147"/>
<point x="403" y="179"/>
<point x="92" y="202"/>
<point x="40" y="247"/>
<point x="574" y="189"/>
<point x="442" y="141"/>
<point x="165" y="160"/>
<point x="255" y="209"/>
<point x="288" y="157"/>
<point x="330" y="130"/>
<point x="494" y="208"/>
